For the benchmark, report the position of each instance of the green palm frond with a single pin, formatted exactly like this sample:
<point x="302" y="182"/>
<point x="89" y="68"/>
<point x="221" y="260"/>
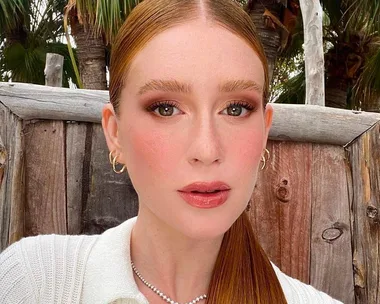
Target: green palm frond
<point x="292" y="90"/>
<point x="10" y="10"/>
<point x="363" y="15"/>
<point x="26" y="64"/>
<point x="47" y="18"/>
<point x="41" y="23"/>
<point x="350" y="28"/>
<point x="103" y="16"/>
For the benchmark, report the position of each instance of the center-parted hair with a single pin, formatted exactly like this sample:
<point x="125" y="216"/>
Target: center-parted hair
<point x="242" y="273"/>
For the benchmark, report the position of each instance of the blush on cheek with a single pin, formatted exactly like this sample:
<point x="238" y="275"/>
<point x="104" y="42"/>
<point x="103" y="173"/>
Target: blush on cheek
<point x="153" y="152"/>
<point x="248" y="148"/>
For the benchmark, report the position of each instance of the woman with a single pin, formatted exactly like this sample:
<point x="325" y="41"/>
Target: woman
<point x="189" y="120"/>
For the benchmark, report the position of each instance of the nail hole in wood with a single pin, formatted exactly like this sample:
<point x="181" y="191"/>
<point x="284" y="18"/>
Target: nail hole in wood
<point x="331" y="234"/>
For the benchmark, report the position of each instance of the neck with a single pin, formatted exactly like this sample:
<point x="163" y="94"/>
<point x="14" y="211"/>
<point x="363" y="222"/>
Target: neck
<point x="179" y="266"/>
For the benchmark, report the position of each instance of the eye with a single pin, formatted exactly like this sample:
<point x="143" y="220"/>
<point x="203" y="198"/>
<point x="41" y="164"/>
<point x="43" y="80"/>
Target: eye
<point x="235" y="108"/>
<point x="165" y="108"/>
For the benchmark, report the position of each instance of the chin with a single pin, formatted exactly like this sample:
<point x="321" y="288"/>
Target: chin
<point x="206" y="225"/>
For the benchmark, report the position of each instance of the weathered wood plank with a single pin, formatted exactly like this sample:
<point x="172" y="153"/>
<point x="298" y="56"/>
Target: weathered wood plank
<point x="16" y="227"/>
<point x="291" y="122"/>
<point x="53" y="70"/>
<point x="3" y="159"/>
<point x="45" y="178"/>
<point x="12" y="185"/>
<point x="75" y="152"/>
<point x="42" y="102"/>
<point x="331" y="252"/>
<point x="111" y="198"/>
<point x="364" y="156"/>
<point x="313" y="49"/>
<point x="281" y="207"/>
<point x="329" y="125"/>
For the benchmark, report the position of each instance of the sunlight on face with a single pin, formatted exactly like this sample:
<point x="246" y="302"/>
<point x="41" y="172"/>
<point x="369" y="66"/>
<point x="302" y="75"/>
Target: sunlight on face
<point x="191" y="110"/>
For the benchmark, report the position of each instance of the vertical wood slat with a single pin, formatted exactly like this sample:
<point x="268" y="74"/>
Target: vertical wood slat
<point x="12" y="185"/>
<point x="281" y="207"/>
<point x="3" y="159"/>
<point x="75" y="152"/>
<point x="312" y="17"/>
<point x="331" y="252"/>
<point x="53" y="70"/>
<point x="364" y="155"/>
<point x="111" y="198"/>
<point x="45" y="178"/>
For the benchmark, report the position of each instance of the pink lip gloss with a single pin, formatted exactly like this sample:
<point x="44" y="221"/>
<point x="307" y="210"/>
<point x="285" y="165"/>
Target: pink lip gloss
<point x="205" y="200"/>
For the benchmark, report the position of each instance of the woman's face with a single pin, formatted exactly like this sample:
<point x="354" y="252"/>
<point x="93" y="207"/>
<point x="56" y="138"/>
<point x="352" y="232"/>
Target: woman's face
<point x="196" y="70"/>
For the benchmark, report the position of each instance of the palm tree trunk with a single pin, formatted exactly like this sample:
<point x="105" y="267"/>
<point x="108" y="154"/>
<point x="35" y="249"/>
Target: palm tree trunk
<point x="270" y="38"/>
<point x="91" y="53"/>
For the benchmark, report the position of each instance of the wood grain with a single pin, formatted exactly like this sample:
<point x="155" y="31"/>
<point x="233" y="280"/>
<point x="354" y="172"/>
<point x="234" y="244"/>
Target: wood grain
<point x="331" y="252"/>
<point x="3" y="159"/>
<point x="53" y="70"/>
<point x="364" y="156"/>
<point x="290" y="122"/>
<point x="111" y="198"/>
<point x="12" y="185"/>
<point x="281" y="207"/>
<point x="42" y="102"/>
<point x="45" y="178"/>
<point x="75" y="153"/>
<point x="312" y="16"/>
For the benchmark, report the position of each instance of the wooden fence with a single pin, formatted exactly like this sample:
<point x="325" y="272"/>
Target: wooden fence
<point x="315" y="206"/>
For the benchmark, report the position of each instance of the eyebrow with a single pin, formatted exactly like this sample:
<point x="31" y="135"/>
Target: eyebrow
<point x="165" y="86"/>
<point x="239" y="85"/>
<point x="179" y="87"/>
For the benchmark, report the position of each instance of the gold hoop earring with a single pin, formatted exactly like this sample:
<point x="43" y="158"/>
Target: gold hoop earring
<point x="264" y="160"/>
<point x="114" y="162"/>
<point x="110" y="157"/>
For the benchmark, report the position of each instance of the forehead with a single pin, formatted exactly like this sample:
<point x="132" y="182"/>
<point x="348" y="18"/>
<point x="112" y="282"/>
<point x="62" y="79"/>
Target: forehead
<point x="199" y="52"/>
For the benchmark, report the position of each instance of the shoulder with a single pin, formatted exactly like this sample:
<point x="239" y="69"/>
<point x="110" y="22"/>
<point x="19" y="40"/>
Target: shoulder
<point x="297" y="292"/>
<point x="43" y="268"/>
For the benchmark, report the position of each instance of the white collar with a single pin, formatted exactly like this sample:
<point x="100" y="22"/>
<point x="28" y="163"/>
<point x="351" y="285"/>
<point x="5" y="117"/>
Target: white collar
<point x="108" y="274"/>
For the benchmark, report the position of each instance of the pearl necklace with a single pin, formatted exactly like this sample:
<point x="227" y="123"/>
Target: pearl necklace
<point x="161" y="294"/>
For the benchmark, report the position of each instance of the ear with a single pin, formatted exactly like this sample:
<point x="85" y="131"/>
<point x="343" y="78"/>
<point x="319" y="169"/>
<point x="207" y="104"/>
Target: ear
<point x="111" y="132"/>
<point x="268" y="118"/>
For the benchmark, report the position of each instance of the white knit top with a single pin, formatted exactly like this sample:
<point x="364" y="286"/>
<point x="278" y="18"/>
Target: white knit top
<point x="92" y="270"/>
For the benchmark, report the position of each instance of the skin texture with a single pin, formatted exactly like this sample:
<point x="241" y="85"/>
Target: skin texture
<point x="174" y="245"/>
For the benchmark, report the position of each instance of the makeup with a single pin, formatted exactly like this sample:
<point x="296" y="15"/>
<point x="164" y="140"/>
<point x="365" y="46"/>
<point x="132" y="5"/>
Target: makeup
<point x="205" y="200"/>
<point x="205" y="194"/>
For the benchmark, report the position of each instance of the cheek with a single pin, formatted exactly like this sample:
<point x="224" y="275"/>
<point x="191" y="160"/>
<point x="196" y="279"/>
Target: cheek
<point x="246" y="149"/>
<point x="151" y="153"/>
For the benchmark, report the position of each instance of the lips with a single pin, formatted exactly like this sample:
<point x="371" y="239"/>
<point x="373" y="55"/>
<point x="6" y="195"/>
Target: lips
<point x="205" y="187"/>
<point x="205" y="195"/>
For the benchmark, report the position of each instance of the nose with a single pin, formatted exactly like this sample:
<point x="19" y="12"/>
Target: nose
<point x="205" y="143"/>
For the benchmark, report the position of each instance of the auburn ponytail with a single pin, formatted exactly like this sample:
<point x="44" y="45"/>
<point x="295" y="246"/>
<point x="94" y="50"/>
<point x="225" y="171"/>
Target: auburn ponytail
<point x="243" y="273"/>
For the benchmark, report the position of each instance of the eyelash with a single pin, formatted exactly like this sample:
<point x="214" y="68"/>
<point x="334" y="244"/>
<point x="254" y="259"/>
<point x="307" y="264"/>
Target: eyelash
<point x="249" y="107"/>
